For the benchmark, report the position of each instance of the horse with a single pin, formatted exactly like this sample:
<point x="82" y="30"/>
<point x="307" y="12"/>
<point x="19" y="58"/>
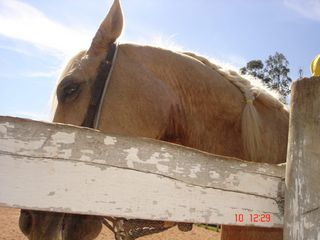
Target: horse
<point x="178" y="97"/>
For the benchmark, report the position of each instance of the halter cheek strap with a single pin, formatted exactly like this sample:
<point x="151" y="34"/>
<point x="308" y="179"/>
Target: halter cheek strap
<point x="99" y="88"/>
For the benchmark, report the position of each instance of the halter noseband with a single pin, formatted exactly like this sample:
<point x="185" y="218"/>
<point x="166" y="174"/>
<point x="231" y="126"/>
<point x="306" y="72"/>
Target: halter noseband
<point x="99" y="88"/>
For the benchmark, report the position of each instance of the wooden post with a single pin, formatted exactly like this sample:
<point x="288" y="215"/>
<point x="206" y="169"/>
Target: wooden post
<point x="302" y="196"/>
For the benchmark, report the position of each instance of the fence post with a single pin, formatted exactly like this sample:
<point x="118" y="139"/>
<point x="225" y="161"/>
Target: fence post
<point x="302" y="196"/>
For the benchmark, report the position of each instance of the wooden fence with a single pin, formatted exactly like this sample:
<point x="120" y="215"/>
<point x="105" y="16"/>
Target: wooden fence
<point x="302" y="202"/>
<point x="63" y="168"/>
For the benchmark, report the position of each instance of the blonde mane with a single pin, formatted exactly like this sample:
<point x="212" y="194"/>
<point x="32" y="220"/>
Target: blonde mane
<point x="250" y="121"/>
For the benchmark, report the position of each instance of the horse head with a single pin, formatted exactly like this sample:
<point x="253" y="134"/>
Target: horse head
<point x="75" y="84"/>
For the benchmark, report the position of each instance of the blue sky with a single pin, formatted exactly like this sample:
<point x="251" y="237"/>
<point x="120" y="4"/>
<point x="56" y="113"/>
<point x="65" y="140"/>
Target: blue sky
<point x="37" y="37"/>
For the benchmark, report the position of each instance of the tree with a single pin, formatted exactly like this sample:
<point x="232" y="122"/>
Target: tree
<point x="254" y="68"/>
<point x="277" y="71"/>
<point x="274" y="73"/>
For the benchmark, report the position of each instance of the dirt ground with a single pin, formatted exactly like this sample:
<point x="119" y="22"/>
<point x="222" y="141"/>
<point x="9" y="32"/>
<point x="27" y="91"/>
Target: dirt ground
<point x="10" y="230"/>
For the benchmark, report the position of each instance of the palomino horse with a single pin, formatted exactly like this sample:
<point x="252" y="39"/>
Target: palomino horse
<point x="175" y="97"/>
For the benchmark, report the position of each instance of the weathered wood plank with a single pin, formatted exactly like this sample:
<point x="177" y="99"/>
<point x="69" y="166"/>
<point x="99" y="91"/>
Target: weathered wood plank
<point x="302" y="208"/>
<point x="71" y="169"/>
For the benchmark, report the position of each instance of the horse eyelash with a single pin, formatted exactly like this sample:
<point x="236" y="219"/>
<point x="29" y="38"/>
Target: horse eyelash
<point x="64" y="94"/>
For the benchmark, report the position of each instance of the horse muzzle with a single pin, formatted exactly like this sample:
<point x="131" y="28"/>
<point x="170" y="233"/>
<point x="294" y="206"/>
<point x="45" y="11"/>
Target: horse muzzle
<point x="38" y="225"/>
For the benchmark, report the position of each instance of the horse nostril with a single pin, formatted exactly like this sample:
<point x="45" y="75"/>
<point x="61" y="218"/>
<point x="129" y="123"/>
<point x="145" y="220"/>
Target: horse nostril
<point x="25" y="222"/>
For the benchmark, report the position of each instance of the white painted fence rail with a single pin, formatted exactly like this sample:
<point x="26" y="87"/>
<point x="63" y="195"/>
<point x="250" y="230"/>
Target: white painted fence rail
<point x="63" y="168"/>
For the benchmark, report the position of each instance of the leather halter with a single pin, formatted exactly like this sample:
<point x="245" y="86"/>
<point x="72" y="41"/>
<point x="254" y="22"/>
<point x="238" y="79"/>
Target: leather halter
<point x="99" y="88"/>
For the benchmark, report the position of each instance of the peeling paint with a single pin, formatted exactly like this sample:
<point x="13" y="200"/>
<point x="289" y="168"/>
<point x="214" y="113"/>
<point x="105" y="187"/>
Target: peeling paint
<point x="110" y="140"/>
<point x="86" y="151"/>
<point x="156" y="159"/>
<point x="63" y="137"/>
<point x="3" y="130"/>
<point x="85" y="158"/>
<point x="132" y="156"/>
<point x="233" y="179"/>
<point x="262" y="170"/>
<point x="178" y="169"/>
<point x="194" y="170"/>
<point x="55" y="151"/>
<point x="214" y="175"/>
<point x="167" y="155"/>
<point x="159" y="157"/>
<point x="67" y="153"/>
<point x="308" y="225"/>
<point x="86" y="155"/>
<point x="7" y="124"/>
<point x="162" y="168"/>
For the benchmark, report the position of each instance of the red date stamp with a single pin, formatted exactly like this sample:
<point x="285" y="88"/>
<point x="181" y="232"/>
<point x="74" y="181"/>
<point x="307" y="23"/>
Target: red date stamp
<point x="253" y="218"/>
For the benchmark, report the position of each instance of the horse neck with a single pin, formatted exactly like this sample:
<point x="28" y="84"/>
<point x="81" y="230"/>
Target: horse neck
<point x="191" y="81"/>
<point x="190" y="103"/>
<point x="205" y="108"/>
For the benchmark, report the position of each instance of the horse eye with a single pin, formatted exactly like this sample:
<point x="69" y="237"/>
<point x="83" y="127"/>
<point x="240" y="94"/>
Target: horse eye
<point x="25" y="222"/>
<point x="69" y="92"/>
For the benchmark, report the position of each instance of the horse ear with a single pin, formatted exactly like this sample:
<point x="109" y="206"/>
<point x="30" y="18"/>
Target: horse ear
<point x="109" y="30"/>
